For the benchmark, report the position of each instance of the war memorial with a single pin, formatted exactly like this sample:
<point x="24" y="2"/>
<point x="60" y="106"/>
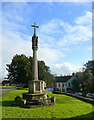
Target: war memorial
<point x="34" y="97"/>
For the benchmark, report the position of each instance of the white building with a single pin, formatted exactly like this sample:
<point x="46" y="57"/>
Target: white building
<point x="64" y="83"/>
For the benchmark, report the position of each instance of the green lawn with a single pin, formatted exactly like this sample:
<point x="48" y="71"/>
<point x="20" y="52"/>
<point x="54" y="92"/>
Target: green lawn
<point x="65" y="107"/>
<point x="7" y="86"/>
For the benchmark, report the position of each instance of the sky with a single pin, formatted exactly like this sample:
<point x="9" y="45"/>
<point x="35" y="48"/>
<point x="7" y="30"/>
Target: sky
<point x="64" y="33"/>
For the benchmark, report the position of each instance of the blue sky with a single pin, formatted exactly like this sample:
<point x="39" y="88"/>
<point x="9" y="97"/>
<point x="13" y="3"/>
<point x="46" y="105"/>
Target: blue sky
<point x="65" y="33"/>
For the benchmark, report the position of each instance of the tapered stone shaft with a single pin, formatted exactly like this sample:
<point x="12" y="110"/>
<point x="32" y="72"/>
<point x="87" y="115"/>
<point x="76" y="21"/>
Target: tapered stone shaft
<point x="35" y="65"/>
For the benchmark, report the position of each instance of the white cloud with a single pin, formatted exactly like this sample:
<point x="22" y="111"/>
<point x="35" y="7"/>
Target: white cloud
<point x="59" y="33"/>
<point x="16" y="12"/>
<point x="85" y="20"/>
<point x="80" y="32"/>
<point x="51" y="27"/>
<point x="65" y="68"/>
<point x="49" y="55"/>
<point x="12" y="45"/>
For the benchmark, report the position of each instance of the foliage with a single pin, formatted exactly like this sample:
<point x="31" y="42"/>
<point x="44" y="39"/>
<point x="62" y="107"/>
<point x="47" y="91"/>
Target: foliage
<point x="44" y="73"/>
<point x="20" y="70"/>
<point x="90" y="66"/>
<point x="85" y="80"/>
<point x="65" y="107"/>
<point x="76" y="85"/>
<point x="89" y="75"/>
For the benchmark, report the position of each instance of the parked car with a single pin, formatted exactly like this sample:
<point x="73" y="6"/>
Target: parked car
<point x="90" y="95"/>
<point x="79" y="93"/>
<point x="49" y="89"/>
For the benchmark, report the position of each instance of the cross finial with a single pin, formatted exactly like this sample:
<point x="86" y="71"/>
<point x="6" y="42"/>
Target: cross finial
<point x="35" y="26"/>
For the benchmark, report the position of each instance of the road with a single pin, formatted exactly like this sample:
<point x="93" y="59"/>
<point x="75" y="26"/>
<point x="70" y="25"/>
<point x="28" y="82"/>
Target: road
<point x="3" y="92"/>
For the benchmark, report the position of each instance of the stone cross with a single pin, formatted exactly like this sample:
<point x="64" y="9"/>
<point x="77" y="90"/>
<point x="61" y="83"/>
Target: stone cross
<point x="34" y="97"/>
<point x="35" y="84"/>
<point x="35" y="26"/>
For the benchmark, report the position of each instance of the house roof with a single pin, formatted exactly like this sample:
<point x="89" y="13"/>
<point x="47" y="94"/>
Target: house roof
<point x="7" y="81"/>
<point x="62" y="78"/>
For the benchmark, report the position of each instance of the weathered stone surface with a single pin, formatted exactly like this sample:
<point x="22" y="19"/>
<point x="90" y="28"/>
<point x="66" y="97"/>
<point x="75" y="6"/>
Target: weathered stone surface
<point x="35" y="99"/>
<point x="19" y="101"/>
<point x="53" y="99"/>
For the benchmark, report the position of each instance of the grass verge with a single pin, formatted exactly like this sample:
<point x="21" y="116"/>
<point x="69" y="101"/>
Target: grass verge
<point x="7" y="86"/>
<point x="65" y="107"/>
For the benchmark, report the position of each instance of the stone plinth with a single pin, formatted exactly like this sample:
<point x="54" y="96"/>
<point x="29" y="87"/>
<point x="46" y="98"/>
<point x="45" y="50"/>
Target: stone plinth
<point x="37" y="100"/>
<point x="29" y="96"/>
<point x="34" y="99"/>
<point x="35" y="86"/>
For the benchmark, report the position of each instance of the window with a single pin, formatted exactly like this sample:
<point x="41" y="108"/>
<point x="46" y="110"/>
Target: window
<point x="62" y="84"/>
<point x="58" y="84"/>
<point x="69" y="84"/>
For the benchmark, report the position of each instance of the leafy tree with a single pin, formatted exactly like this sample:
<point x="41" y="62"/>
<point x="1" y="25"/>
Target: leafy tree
<point x="84" y="80"/>
<point x="44" y="73"/>
<point x="90" y="66"/>
<point x="75" y="85"/>
<point x="89" y="80"/>
<point x="20" y="69"/>
<point x="89" y="70"/>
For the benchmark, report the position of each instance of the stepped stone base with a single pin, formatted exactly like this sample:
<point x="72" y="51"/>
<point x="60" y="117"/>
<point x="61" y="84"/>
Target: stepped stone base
<point x="37" y="100"/>
<point x="34" y="99"/>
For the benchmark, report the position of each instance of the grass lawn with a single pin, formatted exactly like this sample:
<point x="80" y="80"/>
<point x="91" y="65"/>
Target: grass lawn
<point x="14" y="87"/>
<point x="65" y="107"/>
<point x="7" y="86"/>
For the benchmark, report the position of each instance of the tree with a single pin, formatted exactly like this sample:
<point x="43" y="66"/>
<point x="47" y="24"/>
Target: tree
<point x="75" y="85"/>
<point x="90" y="80"/>
<point x="85" y="80"/>
<point x="44" y="73"/>
<point x="20" y="69"/>
<point x="89" y="69"/>
<point x="90" y="66"/>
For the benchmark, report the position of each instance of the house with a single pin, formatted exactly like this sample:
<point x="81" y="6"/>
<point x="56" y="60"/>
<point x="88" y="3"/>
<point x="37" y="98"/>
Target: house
<point x="7" y="82"/>
<point x="65" y="83"/>
<point x="61" y="83"/>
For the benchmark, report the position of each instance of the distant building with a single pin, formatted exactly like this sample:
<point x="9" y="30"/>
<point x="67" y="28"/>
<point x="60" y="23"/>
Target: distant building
<point x="61" y="83"/>
<point x="64" y="83"/>
<point x="7" y="82"/>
